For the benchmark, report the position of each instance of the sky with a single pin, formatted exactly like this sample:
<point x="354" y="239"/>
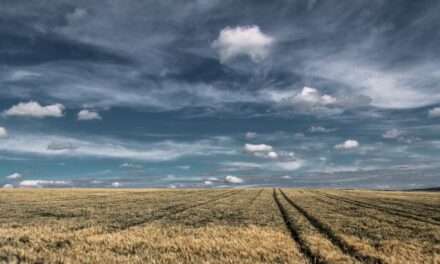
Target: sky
<point x="220" y="93"/>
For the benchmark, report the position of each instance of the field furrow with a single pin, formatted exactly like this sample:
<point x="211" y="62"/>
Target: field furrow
<point x="392" y="211"/>
<point x="330" y="234"/>
<point x="297" y="235"/>
<point x="385" y="201"/>
<point x="373" y="232"/>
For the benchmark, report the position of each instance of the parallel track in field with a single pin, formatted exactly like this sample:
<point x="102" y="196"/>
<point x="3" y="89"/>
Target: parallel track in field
<point x="327" y="232"/>
<point x="391" y="211"/>
<point x="294" y="233"/>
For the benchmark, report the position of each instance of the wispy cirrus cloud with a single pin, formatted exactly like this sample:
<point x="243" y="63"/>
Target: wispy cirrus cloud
<point x="112" y="148"/>
<point x="14" y="175"/>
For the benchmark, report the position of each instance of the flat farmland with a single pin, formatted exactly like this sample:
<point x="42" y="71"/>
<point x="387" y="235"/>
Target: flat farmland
<point x="218" y="226"/>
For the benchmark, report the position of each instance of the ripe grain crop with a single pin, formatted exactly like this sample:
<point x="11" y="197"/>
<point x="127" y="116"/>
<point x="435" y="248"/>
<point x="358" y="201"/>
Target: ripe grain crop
<point x="218" y="226"/>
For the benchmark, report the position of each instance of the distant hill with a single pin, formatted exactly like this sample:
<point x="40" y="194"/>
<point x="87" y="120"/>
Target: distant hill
<point x="433" y="189"/>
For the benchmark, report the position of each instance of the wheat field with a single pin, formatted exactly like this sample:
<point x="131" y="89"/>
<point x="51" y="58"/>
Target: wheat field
<point x="218" y="226"/>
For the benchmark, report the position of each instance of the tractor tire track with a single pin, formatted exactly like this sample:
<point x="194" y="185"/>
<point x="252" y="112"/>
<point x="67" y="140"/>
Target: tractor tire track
<point x="327" y="232"/>
<point x="304" y="248"/>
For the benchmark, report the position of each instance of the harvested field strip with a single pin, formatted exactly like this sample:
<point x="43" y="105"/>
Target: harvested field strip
<point x="327" y="231"/>
<point x="420" y="204"/>
<point x="101" y="200"/>
<point x="400" y="203"/>
<point x="45" y="210"/>
<point x="112" y="216"/>
<point x="170" y="211"/>
<point x="98" y="198"/>
<point x="232" y="210"/>
<point x="256" y="196"/>
<point x="375" y="217"/>
<point x="382" y="209"/>
<point x="42" y="199"/>
<point x="214" y="226"/>
<point x="427" y="198"/>
<point x="365" y="228"/>
<point x="305" y="249"/>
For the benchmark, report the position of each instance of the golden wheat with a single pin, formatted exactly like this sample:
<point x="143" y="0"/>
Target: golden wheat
<point x="218" y="226"/>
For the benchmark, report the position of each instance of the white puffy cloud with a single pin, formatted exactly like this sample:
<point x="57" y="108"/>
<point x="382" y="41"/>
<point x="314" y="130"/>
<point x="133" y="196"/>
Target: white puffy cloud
<point x="261" y="151"/>
<point x="272" y="155"/>
<point x="242" y="41"/>
<point x="116" y="184"/>
<point x="57" y="146"/>
<point x="3" y="133"/>
<point x="320" y="129"/>
<point x="85" y="114"/>
<point x="392" y="134"/>
<point x="41" y="183"/>
<point x="251" y="135"/>
<point x="434" y="112"/>
<point x="8" y="186"/>
<point x="309" y="100"/>
<point x="257" y="148"/>
<point x="34" y="109"/>
<point x="348" y="144"/>
<point x="266" y="155"/>
<point x="312" y="96"/>
<point x="233" y="179"/>
<point x="14" y="176"/>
